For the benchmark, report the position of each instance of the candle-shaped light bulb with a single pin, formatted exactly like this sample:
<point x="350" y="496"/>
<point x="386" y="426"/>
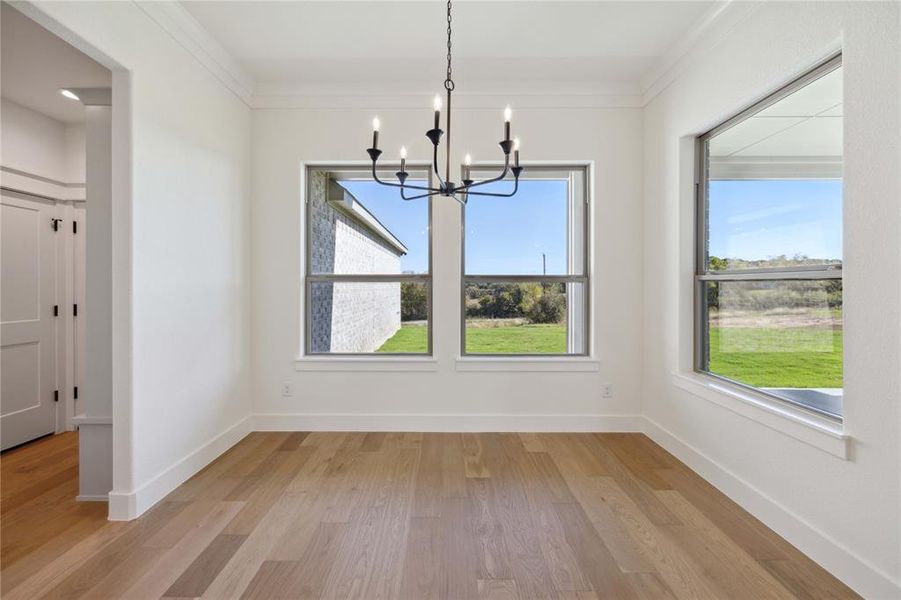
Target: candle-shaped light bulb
<point x="403" y="159"/>
<point x="437" y="104"/>
<point x="376" y="124"/>
<point x="467" y="160"/>
<point x="515" y="152"/>
<point x="508" y="115"/>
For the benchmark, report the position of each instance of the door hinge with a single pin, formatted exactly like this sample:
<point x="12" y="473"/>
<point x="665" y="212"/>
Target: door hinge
<point x="74" y="227"/>
<point x="75" y="393"/>
<point x="56" y="395"/>
<point x="74" y="310"/>
<point x="56" y="310"/>
<point x="54" y="223"/>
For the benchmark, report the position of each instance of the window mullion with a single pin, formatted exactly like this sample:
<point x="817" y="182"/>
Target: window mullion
<point x="772" y="275"/>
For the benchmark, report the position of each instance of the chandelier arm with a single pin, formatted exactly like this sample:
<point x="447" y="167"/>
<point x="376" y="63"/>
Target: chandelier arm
<point x="418" y="196"/>
<point x="398" y="185"/>
<point x="496" y="195"/>
<point x="435" y="166"/>
<point x="493" y="179"/>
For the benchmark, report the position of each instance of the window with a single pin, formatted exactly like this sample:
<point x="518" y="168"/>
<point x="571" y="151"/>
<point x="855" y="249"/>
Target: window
<point x="368" y="282"/>
<point x="525" y="266"/>
<point x="769" y="251"/>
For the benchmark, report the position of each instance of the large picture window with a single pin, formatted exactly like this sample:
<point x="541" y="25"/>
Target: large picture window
<point x="368" y="282"/>
<point x="525" y="266"/>
<point x="769" y="259"/>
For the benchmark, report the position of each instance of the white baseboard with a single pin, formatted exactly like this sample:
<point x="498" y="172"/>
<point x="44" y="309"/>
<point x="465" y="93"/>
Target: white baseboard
<point x="445" y="422"/>
<point x="92" y="498"/>
<point x="125" y="506"/>
<point x="827" y="552"/>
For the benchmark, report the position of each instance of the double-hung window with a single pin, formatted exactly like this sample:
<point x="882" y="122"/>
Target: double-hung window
<point x="368" y="283"/>
<point x="768" y="306"/>
<point x="525" y="265"/>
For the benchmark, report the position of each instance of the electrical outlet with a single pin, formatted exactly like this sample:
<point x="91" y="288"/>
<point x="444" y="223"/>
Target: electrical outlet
<point x="286" y="390"/>
<point x="607" y="390"/>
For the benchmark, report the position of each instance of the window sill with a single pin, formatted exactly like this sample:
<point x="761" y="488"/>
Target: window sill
<point x="366" y="363"/>
<point x="819" y="432"/>
<point x="549" y="364"/>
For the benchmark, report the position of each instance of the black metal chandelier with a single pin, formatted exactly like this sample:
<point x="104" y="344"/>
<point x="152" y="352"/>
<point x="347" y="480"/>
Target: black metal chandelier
<point x="446" y="186"/>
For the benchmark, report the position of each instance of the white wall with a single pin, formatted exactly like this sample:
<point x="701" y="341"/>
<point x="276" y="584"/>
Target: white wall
<point x="283" y="139"/>
<point x="181" y="280"/>
<point x="39" y="145"/>
<point x="843" y="513"/>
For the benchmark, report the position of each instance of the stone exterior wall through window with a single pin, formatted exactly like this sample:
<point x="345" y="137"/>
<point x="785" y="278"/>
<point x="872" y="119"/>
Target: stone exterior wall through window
<point x="349" y="317"/>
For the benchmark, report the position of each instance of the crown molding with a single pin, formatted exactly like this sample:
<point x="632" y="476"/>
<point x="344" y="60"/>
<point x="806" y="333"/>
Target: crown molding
<point x="478" y="96"/>
<point x="173" y="18"/>
<point x="461" y="102"/>
<point x="709" y="30"/>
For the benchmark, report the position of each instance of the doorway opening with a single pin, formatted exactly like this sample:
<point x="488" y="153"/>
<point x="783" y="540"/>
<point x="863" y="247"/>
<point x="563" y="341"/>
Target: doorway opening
<point x="55" y="233"/>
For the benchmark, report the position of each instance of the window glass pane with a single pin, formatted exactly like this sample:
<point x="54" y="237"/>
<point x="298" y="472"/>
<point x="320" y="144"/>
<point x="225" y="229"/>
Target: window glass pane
<point x="363" y="317"/>
<point x="361" y="227"/>
<point x="774" y="223"/>
<point x="784" y="337"/>
<point x="539" y="231"/>
<point x="525" y="318"/>
<point x="774" y="189"/>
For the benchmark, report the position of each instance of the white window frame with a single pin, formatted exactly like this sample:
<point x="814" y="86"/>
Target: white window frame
<point x="379" y="360"/>
<point x="584" y="278"/>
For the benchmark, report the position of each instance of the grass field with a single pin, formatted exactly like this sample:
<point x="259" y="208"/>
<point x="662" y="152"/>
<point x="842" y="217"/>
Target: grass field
<point x="519" y="339"/>
<point x="778" y="357"/>
<point x="790" y="357"/>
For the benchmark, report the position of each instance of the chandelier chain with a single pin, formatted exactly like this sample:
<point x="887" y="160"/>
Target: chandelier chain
<point x="449" y="82"/>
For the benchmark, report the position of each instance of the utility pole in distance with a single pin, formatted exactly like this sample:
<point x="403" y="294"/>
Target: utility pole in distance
<point x="543" y="263"/>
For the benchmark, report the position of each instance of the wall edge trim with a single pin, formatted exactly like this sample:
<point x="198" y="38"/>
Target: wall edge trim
<point x="420" y="422"/>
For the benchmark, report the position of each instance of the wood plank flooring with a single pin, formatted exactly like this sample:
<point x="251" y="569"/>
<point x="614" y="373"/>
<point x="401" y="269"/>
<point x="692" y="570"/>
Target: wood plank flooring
<point x="400" y="515"/>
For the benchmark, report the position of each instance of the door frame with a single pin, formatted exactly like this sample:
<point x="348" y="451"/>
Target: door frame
<point x="122" y="264"/>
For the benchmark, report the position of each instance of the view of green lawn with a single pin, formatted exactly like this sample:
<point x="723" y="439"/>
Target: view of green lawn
<point x="515" y="339"/>
<point x="778" y="357"/>
<point x="762" y="357"/>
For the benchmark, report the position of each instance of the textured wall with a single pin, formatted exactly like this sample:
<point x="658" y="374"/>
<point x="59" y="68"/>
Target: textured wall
<point x="349" y="317"/>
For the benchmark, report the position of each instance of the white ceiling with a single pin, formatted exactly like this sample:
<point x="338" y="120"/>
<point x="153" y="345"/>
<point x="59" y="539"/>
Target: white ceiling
<point x="35" y="64"/>
<point x="323" y="43"/>
<point x="808" y="122"/>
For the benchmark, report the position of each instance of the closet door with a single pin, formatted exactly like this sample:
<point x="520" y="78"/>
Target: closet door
<point x="27" y="327"/>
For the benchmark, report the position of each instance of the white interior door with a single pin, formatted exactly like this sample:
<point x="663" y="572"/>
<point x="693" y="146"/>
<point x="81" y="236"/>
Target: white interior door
<point x="27" y="327"/>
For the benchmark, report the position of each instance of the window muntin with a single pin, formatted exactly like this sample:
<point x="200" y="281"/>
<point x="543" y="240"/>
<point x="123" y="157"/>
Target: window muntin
<point x="525" y="265"/>
<point x="769" y="255"/>
<point x="367" y="264"/>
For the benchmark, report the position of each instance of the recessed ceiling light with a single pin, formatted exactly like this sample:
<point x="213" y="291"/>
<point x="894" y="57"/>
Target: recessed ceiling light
<point x="69" y="94"/>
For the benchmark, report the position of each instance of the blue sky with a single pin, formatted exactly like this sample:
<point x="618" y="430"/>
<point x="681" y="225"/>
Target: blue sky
<point x="408" y="221"/>
<point x="752" y="220"/>
<point x="756" y="220"/>
<point x="508" y="235"/>
<point x="503" y="235"/>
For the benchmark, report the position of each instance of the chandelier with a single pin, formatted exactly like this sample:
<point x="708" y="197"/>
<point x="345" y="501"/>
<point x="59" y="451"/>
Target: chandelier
<point x="446" y="187"/>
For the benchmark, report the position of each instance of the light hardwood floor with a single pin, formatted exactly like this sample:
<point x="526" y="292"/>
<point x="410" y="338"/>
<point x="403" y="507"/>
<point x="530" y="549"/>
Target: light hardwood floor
<point x="401" y="515"/>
